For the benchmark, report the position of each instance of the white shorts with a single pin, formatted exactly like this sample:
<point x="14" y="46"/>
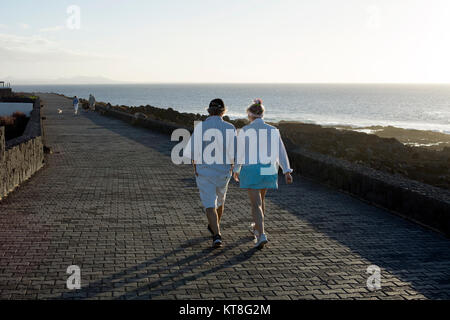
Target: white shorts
<point x="213" y="190"/>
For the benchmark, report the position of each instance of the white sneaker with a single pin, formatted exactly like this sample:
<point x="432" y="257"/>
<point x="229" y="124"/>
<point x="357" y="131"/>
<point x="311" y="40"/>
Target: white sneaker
<point x="253" y="231"/>
<point x="261" y="241"/>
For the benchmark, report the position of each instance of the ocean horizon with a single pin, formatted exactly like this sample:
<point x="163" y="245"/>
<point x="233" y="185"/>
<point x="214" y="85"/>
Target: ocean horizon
<point x="408" y="106"/>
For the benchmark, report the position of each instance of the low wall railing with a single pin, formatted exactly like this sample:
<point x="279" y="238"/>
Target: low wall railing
<point x="23" y="156"/>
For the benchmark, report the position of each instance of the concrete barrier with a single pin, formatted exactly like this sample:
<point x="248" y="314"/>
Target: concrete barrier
<point x="416" y="201"/>
<point x="21" y="157"/>
<point x="5" y="92"/>
<point x="156" y="125"/>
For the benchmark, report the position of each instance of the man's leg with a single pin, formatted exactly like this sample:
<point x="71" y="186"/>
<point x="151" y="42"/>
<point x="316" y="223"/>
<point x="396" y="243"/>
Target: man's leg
<point x="220" y="212"/>
<point x="209" y="201"/>
<point x="221" y="193"/>
<point x="213" y="219"/>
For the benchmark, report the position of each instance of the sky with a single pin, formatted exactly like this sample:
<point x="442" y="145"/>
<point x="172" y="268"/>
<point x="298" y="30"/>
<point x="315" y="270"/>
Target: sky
<point x="237" y="41"/>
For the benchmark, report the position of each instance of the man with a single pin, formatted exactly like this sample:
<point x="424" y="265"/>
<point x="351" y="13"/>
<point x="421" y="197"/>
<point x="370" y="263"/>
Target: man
<point x="75" y="104"/>
<point x="213" y="177"/>
<point x="92" y="102"/>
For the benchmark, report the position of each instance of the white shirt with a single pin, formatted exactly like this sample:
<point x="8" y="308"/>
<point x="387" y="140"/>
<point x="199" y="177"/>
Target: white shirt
<point x="226" y="146"/>
<point x="254" y="148"/>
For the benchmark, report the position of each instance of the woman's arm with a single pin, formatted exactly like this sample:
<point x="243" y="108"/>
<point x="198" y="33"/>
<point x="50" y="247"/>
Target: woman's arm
<point x="195" y="168"/>
<point x="284" y="163"/>
<point x="284" y="159"/>
<point x="237" y="171"/>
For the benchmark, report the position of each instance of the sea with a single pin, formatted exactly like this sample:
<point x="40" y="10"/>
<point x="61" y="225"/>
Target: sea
<point x="7" y="109"/>
<point x="410" y="106"/>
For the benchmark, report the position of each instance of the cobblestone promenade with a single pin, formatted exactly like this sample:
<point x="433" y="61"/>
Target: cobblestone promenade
<point x="110" y="201"/>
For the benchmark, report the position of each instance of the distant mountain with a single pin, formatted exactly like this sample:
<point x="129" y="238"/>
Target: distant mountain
<point x="62" y="80"/>
<point x="86" y="80"/>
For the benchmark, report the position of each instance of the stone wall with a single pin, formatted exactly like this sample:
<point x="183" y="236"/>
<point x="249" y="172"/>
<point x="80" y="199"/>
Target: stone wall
<point x="140" y="120"/>
<point x="416" y="201"/>
<point x="5" y="92"/>
<point x="21" y="157"/>
<point x="413" y="200"/>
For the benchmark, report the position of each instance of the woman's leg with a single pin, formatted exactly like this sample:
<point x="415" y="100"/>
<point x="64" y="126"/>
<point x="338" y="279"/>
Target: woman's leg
<point x="263" y="193"/>
<point x="263" y="198"/>
<point x="257" y="209"/>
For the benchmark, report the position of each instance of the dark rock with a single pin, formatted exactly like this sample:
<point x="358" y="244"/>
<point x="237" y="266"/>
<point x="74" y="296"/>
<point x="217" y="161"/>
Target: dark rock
<point x="48" y="150"/>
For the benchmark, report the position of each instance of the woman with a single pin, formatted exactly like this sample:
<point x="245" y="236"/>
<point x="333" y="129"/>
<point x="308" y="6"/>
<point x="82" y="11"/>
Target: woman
<point x="259" y="176"/>
<point x="75" y="103"/>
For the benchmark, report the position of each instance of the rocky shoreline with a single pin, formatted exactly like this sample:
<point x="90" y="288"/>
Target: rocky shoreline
<point x="388" y="149"/>
<point x="416" y="138"/>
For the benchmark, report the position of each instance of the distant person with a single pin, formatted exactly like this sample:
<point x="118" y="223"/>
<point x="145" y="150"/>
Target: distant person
<point x="213" y="179"/>
<point x="92" y="102"/>
<point x="75" y="104"/>
<point x="257" y="177"/>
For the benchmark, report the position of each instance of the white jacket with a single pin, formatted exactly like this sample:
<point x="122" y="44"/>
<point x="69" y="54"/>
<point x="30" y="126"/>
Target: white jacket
<point x="256" y="148"/>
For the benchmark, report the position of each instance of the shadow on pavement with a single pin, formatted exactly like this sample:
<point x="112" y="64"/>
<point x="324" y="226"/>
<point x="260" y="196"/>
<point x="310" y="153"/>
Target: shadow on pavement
<point x="158" y="265"/>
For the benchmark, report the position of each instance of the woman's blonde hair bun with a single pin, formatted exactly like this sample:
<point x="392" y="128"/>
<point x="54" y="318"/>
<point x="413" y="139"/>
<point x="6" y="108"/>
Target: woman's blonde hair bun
<point x="256" y="109"/>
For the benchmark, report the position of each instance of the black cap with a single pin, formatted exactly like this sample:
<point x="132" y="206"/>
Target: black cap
<point x="217" y="104"/>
